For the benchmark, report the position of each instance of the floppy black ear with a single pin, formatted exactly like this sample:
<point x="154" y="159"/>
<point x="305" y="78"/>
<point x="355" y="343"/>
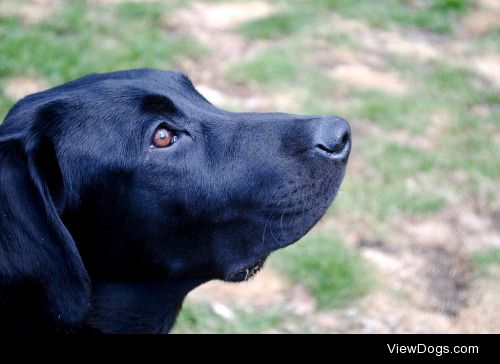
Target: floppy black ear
<point x="36" y="249"/>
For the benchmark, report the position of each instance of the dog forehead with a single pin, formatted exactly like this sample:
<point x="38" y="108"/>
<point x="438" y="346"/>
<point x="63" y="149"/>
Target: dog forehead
<point x="147" y="80"/>
<point x="132" y="87"/>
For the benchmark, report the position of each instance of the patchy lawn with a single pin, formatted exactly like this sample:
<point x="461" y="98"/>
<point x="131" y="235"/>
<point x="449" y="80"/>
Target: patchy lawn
<point x="412" y="242"/>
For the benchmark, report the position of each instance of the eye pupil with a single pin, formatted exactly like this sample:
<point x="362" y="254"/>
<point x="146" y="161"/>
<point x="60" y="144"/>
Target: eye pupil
<point x="162" y="138"/>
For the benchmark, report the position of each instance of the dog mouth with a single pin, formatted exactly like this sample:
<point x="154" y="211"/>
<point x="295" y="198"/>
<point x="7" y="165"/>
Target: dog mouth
<point x="247" y="272"/>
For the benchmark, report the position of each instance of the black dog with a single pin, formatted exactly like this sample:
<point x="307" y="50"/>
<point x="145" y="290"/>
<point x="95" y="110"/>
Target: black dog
<point x="121" y="192"/>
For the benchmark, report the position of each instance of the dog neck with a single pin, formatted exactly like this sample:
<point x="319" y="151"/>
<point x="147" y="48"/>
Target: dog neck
<point x="138" y="307"/>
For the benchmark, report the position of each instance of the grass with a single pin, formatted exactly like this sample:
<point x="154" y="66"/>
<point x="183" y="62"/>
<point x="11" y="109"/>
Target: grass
<point x="461" y="145"/>
<point x="272" y="68"/>
<point x="390" y="112"/>
<point x="490" y="40"/>
<point x="276" y="25"/>
<point x="398" y="161"/>
<point x="382" y="200"/>
<point x="392" y="188"/>
<point x="83" y="39"/>
<point x="335" y="274"/>
<point x="484" y="260"/>
<point x="436" y="15"/>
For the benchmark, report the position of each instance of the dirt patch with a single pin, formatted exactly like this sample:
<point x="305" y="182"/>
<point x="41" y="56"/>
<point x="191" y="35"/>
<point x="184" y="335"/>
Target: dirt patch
<point x="384" y="312"/>
<point x="480" y="22"/>
<point x="449" y="275"/>
<point x="327" y="57"/>
<point x="301" y="302"/>
<point x="411" y="46"/>
<point x="216" y="96"/>
<point x="224" y="16"/>
<point x="213" y="25"/>
<point x="439" y="123"/>
<point x="386" y="262"/>
<point x="481" y="316"/>
<point x="289" y="100"/>
<point x="365" y="77"/>
<point x="462" y="226"/>
<point x="489" y="67"/>
<point x="31" y="12"/>
<point x="406" y="138"/>
<point x="429" y="285"/>
<point x="19" y="87"/>
<point x="489" y="4"/>
<point x="246" y="294"/>
<point x="429" y="232"/>
<point x="392" y="312"/>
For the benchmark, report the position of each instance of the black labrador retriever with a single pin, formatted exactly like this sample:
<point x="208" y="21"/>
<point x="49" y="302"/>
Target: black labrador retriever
<point x="121" y="192"/>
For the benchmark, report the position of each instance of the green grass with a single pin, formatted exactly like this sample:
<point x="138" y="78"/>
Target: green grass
<point x="439" y="16"/>
<point x="285" y="68"/>
<point x="200" y="318"/>
<point x="335" y="274"/>
<point x="133" y="10"/>
<point x="484" y="260"/>
<point x="388" y="192"/>
<point x="398" y="161"/>
<point x="276" y="25"/>
<point x="490" y="40"/>
<point x="453" y="85"/>
<point x="390" y="112"/>
<point x="272" y="68"/>
<point x="473" y="153"/>
<point x="463" y="142"/>
<point x="436" y="15"/>
<point x="5" y="105"/>
<point x="381" y="200"/>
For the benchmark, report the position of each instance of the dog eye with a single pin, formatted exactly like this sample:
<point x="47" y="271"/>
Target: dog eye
<point x="163" y="137"/>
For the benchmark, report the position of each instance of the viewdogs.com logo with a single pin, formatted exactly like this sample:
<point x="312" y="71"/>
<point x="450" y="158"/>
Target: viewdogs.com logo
<point x="437" y="350"/>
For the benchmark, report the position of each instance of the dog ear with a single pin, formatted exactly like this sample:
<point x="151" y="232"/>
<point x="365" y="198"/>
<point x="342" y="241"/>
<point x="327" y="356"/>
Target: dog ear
<point x="36" y="249"/>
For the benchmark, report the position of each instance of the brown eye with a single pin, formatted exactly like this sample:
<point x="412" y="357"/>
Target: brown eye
<point x="162" y="138"/>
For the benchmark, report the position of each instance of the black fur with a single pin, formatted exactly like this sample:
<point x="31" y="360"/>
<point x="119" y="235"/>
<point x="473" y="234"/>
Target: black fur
<point x="102" y="232"/>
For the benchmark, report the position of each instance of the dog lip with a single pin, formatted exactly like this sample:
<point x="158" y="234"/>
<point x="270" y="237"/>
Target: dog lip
<point x="246" y="273"/>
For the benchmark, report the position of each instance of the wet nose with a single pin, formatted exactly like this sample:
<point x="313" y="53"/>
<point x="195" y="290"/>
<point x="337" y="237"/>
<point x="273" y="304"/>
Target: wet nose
<point x="333" y="138"/>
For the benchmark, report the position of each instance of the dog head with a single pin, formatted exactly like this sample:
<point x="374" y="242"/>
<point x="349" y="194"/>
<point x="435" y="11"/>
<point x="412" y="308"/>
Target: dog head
<point x="135" y="177"/>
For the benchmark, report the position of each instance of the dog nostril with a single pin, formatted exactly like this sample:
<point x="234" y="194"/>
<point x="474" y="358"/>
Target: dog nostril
<point x="334" y="137"/>
<point x="337" y="147"/>
<point x="340" y="146"/>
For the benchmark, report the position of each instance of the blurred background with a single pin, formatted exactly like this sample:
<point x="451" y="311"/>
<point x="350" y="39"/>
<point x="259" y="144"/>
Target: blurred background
<point x="412" y="243"/>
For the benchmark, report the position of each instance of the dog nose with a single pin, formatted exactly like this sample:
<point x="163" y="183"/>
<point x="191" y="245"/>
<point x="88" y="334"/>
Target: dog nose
<point x="333" y="138"/>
